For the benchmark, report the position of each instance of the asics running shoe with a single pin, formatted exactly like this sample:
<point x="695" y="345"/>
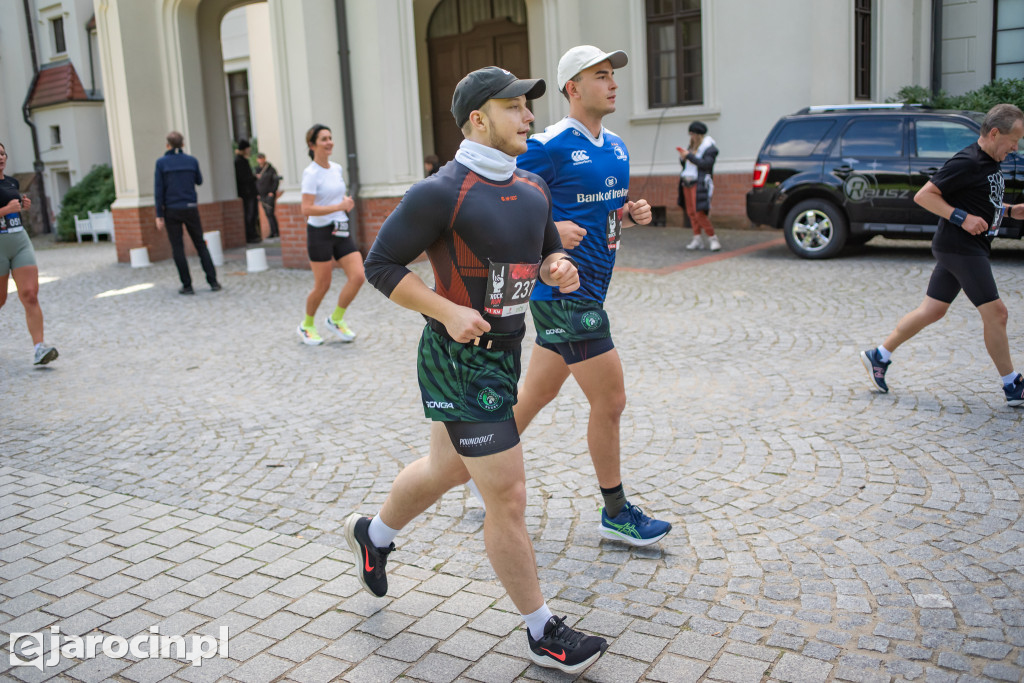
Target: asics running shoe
<point x="876" y="368"/>
<point x="310" y="336"/>
<point x="632" y="526"/>
<point x="370" y="560"/>
<point x="341" y="329"/>
<point x="564" y="649"/>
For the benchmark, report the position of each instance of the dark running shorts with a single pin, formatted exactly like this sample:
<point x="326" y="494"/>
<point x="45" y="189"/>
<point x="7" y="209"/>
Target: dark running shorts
<point x="323" y="245"/>
<point x="577" y="330"/>
<point x="470" y="389"/>
<point x="969" y="272"/>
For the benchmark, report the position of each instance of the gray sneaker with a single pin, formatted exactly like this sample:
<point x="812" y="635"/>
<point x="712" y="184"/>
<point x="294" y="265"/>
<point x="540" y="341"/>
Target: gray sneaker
<point x="45" y="354"/>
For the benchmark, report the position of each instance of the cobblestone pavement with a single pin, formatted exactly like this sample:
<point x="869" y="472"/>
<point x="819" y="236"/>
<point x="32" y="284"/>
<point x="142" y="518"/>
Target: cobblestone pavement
<point x="186" y="463"/>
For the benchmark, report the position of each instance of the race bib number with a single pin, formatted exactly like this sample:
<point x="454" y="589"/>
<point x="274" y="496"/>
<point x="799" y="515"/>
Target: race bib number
<point x="997" y="220"/>
<point x="509" y="288"/>
<point x="340" y="229"/>
<point x="614" y="228"/>
<point x="10" y="222"/>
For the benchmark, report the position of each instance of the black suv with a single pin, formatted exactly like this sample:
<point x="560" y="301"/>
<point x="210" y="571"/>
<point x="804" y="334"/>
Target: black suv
<point x="837" y="175"/>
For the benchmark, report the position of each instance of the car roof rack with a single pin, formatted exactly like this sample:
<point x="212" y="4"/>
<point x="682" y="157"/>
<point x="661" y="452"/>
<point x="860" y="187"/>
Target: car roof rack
<point x="859" y="107"/>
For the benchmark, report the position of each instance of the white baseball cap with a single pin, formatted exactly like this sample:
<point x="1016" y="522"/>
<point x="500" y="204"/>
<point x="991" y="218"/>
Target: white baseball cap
<point x="583" y="57"/>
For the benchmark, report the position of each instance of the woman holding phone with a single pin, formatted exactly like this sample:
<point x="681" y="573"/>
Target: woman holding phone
<point x="18" y="258"/>
<point x="696" y="185"/>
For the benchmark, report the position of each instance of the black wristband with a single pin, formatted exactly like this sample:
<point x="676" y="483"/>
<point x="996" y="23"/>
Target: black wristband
<point x="958" y="217"/>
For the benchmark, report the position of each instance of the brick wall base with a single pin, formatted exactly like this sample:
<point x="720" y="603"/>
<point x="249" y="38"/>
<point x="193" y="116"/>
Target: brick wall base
<point x="136" y="227"/>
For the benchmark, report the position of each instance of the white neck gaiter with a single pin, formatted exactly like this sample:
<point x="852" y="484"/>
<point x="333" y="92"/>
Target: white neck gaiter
<point x="491" y="163"/>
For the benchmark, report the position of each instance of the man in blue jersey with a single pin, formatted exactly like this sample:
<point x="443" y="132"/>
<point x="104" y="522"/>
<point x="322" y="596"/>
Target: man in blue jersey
<point x="586" y="166"/>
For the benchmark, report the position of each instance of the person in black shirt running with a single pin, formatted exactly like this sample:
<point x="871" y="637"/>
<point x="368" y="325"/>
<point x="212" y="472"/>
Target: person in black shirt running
<point x="487" y="228"/>
<point x="967" y="195"/>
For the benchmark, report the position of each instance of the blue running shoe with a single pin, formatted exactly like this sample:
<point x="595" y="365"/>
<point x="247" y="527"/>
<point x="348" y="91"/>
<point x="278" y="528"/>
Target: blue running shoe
<point x="632" y="526"/>
<point x="876" y="368"/>
<point x="1015" y="392"/>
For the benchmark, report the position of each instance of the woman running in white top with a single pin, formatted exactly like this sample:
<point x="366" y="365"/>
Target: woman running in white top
<point x="328" y="239"/>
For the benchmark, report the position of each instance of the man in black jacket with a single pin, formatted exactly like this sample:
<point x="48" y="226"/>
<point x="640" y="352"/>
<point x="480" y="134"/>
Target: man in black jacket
<point x="246" y="183"/>
<point x="267" y="181"/>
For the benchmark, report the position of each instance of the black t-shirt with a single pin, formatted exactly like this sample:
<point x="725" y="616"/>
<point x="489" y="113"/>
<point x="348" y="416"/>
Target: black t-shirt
<point x="971" y="181"/>
<point x="466" y="223"/>
<point x="9" y="189"/>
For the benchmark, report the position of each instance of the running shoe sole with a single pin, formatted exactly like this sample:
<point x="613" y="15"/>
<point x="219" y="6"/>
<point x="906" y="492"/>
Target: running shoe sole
<point x="50" y="355"/>
<point x="871" y="372"/>
<point x="631" y="540"/>
<point x="309" y="341"/>
<point x="357" y="550"/>
<point x="549" y="663"/>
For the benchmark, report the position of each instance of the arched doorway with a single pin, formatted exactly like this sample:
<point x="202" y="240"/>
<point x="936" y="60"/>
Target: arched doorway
<point x="464" y="35"/>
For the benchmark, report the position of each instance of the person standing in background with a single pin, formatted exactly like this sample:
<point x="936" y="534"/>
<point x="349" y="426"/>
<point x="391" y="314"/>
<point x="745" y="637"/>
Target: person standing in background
<point x="696" y="185"/>
<point x="267" y="182"/>
<point x="18" y="258"/>
<point x="246" y="184"/>
<point x="174" y="195"/>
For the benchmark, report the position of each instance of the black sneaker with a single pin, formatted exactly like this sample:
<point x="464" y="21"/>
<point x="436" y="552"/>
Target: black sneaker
<point x="876" y="368"/>
<point x="1015" y="392"/>
<point x="564" y="649"/>
<point x="187" y="290"/>
<point x="370" y="560"/>
<point x="215" y="287"/>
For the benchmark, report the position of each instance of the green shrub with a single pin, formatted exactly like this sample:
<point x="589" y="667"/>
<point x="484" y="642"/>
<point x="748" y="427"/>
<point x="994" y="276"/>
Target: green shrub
<point x="95" y="192"/>
<point x="982" y="99"/>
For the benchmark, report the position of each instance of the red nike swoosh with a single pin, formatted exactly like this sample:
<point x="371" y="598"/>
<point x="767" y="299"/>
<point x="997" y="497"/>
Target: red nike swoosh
<point x="560" y="656"/>
<point x="367" y="553"/>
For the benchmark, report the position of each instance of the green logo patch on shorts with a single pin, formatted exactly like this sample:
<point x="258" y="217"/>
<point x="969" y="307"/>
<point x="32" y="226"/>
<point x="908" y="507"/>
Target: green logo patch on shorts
<point x="489" y="399"/>
<point x="591" y="320"/>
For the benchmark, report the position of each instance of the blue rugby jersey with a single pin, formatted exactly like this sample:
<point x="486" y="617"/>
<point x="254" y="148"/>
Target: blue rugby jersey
<point x="588" y="178"/>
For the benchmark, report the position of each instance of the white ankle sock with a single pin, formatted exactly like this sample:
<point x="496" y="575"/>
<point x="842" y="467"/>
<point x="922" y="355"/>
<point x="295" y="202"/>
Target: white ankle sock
<point x="381" y="535"/>
<point x="884" y="353"/>
<point x="1010" y="379"/>
<point x="535" y="621"/>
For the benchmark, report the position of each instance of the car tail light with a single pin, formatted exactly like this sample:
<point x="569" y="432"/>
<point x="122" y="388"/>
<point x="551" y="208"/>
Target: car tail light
<point x="761" y="174"/>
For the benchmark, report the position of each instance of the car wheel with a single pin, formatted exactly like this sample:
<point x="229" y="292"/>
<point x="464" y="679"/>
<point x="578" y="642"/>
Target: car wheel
<point x="815" y="229"/>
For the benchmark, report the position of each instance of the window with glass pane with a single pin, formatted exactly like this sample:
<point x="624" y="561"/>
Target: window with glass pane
<point x="238" y="92"/>
<point x="942" y="139"/>
<point x="1008" y="41"/>
<point x="862" y="49"/>
<point x="675" y="71"/>
<point x="873" y="138"/>
<point x="59" y="46"/>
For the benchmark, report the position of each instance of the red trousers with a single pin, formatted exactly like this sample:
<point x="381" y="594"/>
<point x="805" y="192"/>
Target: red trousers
<point x="698" y="219"/>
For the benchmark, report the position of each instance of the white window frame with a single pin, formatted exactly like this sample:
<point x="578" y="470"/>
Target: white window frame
<point x="47" y="15"/>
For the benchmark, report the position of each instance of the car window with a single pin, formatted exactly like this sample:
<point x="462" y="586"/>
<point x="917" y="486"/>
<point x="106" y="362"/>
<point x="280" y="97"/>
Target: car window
<point x="942" y="139"/>
<point x="800" y="138"/>
<point x="873" y="138"/>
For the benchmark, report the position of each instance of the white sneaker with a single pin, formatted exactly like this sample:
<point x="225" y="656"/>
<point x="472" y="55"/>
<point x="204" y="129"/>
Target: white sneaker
<point x="695" y="243"/>
<point x="714" y="244"/>
<point x="44" y="354"/>
<point x="340" y="329"/>
<point x="309" y="336"/>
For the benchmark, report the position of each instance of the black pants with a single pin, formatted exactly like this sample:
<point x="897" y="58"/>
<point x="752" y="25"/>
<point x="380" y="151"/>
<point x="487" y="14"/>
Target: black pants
<point x="268" y="201"/>
<point x="250" y="205"/>
<point x="174" y="219"/>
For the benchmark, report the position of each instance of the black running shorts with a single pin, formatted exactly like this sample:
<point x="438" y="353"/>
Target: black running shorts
<point x="969" y="272"/>
<point x="323" y="245"/>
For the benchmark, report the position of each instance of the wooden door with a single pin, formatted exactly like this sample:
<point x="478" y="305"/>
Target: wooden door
<point x="497" y="42"/>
